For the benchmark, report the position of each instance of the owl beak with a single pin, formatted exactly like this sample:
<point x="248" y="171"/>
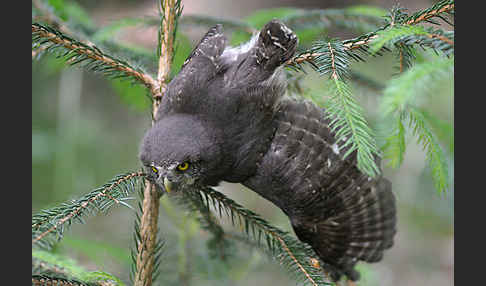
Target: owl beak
<point x="167" y="185"/>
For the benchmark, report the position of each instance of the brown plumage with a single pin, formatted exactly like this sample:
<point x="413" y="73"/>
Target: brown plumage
<point x="342" y="213"/>
<point x="227" y="116"/>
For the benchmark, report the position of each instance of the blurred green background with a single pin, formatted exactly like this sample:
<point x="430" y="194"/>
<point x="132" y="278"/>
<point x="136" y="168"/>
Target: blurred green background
<point x="86" y="130"/>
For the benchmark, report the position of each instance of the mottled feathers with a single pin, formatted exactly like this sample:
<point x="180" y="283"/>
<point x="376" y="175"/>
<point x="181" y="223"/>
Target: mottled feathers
<point x="342" y="213"/>
<point x="231" y="102"/>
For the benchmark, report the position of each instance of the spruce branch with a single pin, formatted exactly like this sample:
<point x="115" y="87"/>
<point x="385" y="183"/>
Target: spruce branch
<point x="401" y="101"/>
<point x="352" y="129"/>
<point x="437" y="10"/>
<point x="42" y="280"/>
<point x="76" y="52"/>
<point x="354" y="48"/>
<point x="434" y="152"/>
<point x="170" y="12"/>
<point x="347" y="120"/>
<point x="55" y="266"/>
<point x="55" y="220"/>
<point x="147" y="253"/>
<point x="37" y="51"/>
<point x="73" y="26"/>
<point x="43" y="267"/>
<point x="48" y="16"/>
<point x="394" y="147"/>
<point x="145" y="261"/>
<point x="361" y="43"/>
<point x="406" y="56"/>
<point x="406" y="36"/>
<point x="294" y="255"/>
<point x="333" y="57"/>
<point x="218" y="245"/>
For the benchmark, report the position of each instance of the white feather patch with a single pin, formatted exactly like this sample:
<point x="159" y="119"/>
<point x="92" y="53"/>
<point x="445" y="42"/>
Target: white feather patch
<point x="232" y="53"/>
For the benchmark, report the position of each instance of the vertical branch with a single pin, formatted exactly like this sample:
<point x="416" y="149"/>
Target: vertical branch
<point x="170" y="11"/>
<point x="148" y="237"/>
<point x="166" y="40"/>
<point x="145" y="260"/>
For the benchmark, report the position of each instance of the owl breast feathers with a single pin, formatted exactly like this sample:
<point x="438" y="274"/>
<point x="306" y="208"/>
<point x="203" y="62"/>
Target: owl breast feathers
<point x="226" y="115"/>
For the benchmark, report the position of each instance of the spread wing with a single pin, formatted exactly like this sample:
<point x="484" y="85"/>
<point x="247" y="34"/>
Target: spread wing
<point x="189" y="88"/>
<point x="207" y="51"/>
<point x="341" y="212"/>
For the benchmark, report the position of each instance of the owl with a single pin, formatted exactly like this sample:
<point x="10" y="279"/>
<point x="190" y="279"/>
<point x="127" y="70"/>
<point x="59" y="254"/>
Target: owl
<point x="226" y="117"/>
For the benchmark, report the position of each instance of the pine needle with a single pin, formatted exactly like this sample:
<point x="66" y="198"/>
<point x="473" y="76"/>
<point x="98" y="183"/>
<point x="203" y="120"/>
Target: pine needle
<point x="405" y="35"/>
<point x="434" y="153"/>
<point x="352" y="129"/>
<point x="346" y="115"/>
<point x="294" y="255"/>
<point x="394" y="148"/>
<point x="92" y="58"/>
<point x="55" y="220"/>
<point x="402" y="98"/>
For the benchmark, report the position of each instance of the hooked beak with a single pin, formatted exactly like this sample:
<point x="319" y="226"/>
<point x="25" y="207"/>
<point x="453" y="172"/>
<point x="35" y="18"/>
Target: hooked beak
<point x="167" y="185"/>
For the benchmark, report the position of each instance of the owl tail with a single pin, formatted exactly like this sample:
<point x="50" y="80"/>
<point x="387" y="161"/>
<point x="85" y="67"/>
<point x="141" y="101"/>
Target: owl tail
<point x="361" y="227"/>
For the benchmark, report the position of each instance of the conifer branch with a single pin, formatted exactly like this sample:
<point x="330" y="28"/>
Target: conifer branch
<point x="37" y="51"/>
<point x="148" y="247"/>
<point x="49" y="17"/>
<point x="435" y="155"/>
<point x="394" y="147"/>
<point x="346" y="115"/>
<point x="219" y="245"/>
<point x="77" y="52"/>
<point x="441" y="7"/>
<point x="170" y="11"/>
<point x="363" y="41"/>
<point x="55" y="220"/>
<point x="400" y="102"/>
<point x="293" y="254"/>
<point x="404" y="36"/>
<point x="145" y="262"/>
<point x="348" y="120"/>
<point x="39" y="266"/>
<point x="43" y="280"/>
<point x="55" y="266"/>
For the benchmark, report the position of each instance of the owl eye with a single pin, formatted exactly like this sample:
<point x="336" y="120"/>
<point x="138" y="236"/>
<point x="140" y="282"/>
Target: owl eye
<point x="155" y="170"/>
<point x="182" y="167"/>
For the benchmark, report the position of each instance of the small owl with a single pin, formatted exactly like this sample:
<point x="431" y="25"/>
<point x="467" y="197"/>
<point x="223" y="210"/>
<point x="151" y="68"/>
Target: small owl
<point x="226" y="117"/>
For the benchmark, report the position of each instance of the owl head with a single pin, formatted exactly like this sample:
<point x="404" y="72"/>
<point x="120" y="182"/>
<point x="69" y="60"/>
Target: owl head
<point x="182" y="151"/>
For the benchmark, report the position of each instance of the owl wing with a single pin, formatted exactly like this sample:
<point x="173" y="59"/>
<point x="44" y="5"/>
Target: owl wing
<point x="257" y="60"/>
<point x="189" y="88"/>
<point x="208" y="50"/>
<point x="342" y="213"/>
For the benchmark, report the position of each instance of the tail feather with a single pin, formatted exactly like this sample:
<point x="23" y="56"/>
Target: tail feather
<point x="362" y="227"/>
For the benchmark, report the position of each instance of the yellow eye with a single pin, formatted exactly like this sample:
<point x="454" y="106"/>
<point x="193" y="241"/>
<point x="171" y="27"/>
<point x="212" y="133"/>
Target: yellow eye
<point x="183" y="166"/>
<point x="155" y="170"/>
